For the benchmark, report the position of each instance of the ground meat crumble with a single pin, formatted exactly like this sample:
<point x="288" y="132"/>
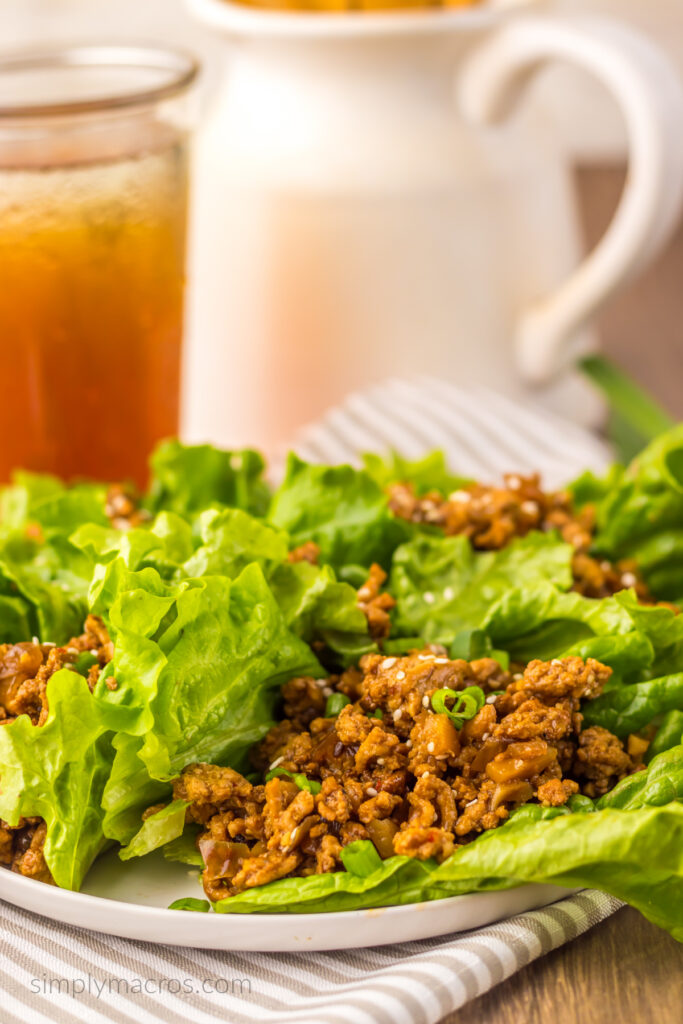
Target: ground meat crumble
<point x="493" y="516"/>
<point x="25" y="669"/>
<point x="392" y="770"/>
<point x="375" y="604"/>
<point x="123" y="507"/>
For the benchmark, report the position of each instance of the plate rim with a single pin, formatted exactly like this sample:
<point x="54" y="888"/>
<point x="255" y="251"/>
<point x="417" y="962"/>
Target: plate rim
<point x="98" y="906"/>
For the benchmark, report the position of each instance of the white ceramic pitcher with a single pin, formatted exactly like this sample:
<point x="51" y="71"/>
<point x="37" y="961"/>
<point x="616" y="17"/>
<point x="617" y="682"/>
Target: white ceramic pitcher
<point x="358" y="215"/>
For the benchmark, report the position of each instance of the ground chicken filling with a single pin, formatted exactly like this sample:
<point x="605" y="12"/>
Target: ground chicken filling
<point x="24" y="672"/>
<point x="123" y="507"/>
<point x="391" y="769"/>
<point x="493" y="516"/>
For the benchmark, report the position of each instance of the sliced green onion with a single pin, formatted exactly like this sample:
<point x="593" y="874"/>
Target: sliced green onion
<point x="502" y="657"/>
<point x="310" y="785"/>
<point x="84" y="662"/>
<point x="190" y="903"/>
<point x="580" y="804"/>
<point x="403" y="645"/>
<point x="335" y="702"/>
<point x="361" y="858"/>
<point x="376" y="714"/>
<point x="472" y="644"/>
<point x="637" y="418"/>
<point x="466" y="703"/>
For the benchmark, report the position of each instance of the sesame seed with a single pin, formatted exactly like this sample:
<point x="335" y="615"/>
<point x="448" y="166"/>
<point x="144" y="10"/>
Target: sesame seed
<point x="322" y="683"/>
<point x="628" y="579"/>
<point x="94" y="652"/>
<point x="426" y="657"/>
<point x="430" y="747"/>
<point x="35" y="640"/>
<point x="590" y="678"/>
<point x="471" y="803"/>
<point x="517" y="676"/>
<point x="449" y="593"/>
<point x="293" y="834"/>
<point x="556" y="661"/>
<point x="514" y="483"/>
<point x="440" y="661"/>
<point x="492" y="698"/>
<point x="425" y="775"/>
<point x="433" y="515"/>
<point x="49" y="643"/>
<point x="401" y="674"/>
<point x="276" y="762"/>
<point x="486" y="736"/>
<point x="371" y="791"/>
<point x="428" y="597"/>
<point x="327" y="691"/>
<point x="529" y="507"/>
<point x="397" y="714"/>
<point x="460" y="496"/>
<point x="409" y="744"/>
<point x="380" y="760"/>
<point x="425" y="701"/>
<point x="388" y="663"/>
<point x="72" y="650"/>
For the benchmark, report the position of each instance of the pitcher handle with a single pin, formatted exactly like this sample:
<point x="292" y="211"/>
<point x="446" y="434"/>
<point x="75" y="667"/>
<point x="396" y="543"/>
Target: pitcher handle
<point x="650" y="96"/>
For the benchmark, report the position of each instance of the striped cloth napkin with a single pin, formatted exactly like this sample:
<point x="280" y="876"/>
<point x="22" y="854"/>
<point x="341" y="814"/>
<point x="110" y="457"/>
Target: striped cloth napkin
<point x="57" y="974"/>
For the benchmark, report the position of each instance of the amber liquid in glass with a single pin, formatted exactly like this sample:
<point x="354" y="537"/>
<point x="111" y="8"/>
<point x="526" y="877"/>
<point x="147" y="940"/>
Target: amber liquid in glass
<point x="92" y="256"/>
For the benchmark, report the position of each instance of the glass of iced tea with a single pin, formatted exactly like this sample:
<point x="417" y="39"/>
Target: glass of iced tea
<point x="93" y="202"/>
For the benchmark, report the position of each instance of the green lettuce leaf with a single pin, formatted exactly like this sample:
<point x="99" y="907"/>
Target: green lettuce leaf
<point x="183" y="849"/>
<point x="44" y="585"/>
<point x="430" y="473"/>
<point x="230" y="540"/>
<point x="37" y="498"/>
<point x="661" y="784"/>
<point x="160" y="828"/>
<point x="318" y="607"/>
<point x="669" y="734"/>
<point x="640" y="515"/>
<point x="191" y="478"/>
<point x="58" y="771"/>
<point x="44" y="578"/>
<point x="443" y="586"/>
<point x="227" y="651"/>
<point x="627" y="709"/>
<point x="129" y="790"/>
<point x="541" y="622"/>
<point x="340" y="508"/>
<point x="26" y="492"/>
<point x="163" y="545"/>
<point x="198" y="668"/>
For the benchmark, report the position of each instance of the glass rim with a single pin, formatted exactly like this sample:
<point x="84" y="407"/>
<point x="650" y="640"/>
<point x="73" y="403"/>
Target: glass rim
<point x="181" y="67"/>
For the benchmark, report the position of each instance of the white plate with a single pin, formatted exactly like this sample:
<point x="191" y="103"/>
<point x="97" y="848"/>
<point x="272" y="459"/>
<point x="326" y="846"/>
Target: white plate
<point x="130" y="900"/>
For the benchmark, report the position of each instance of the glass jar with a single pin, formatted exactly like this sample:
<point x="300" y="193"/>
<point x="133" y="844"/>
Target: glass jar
<point x="93" y="205"/>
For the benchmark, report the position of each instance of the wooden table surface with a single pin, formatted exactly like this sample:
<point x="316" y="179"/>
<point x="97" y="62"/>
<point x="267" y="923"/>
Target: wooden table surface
<point x="623" y="971"/>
